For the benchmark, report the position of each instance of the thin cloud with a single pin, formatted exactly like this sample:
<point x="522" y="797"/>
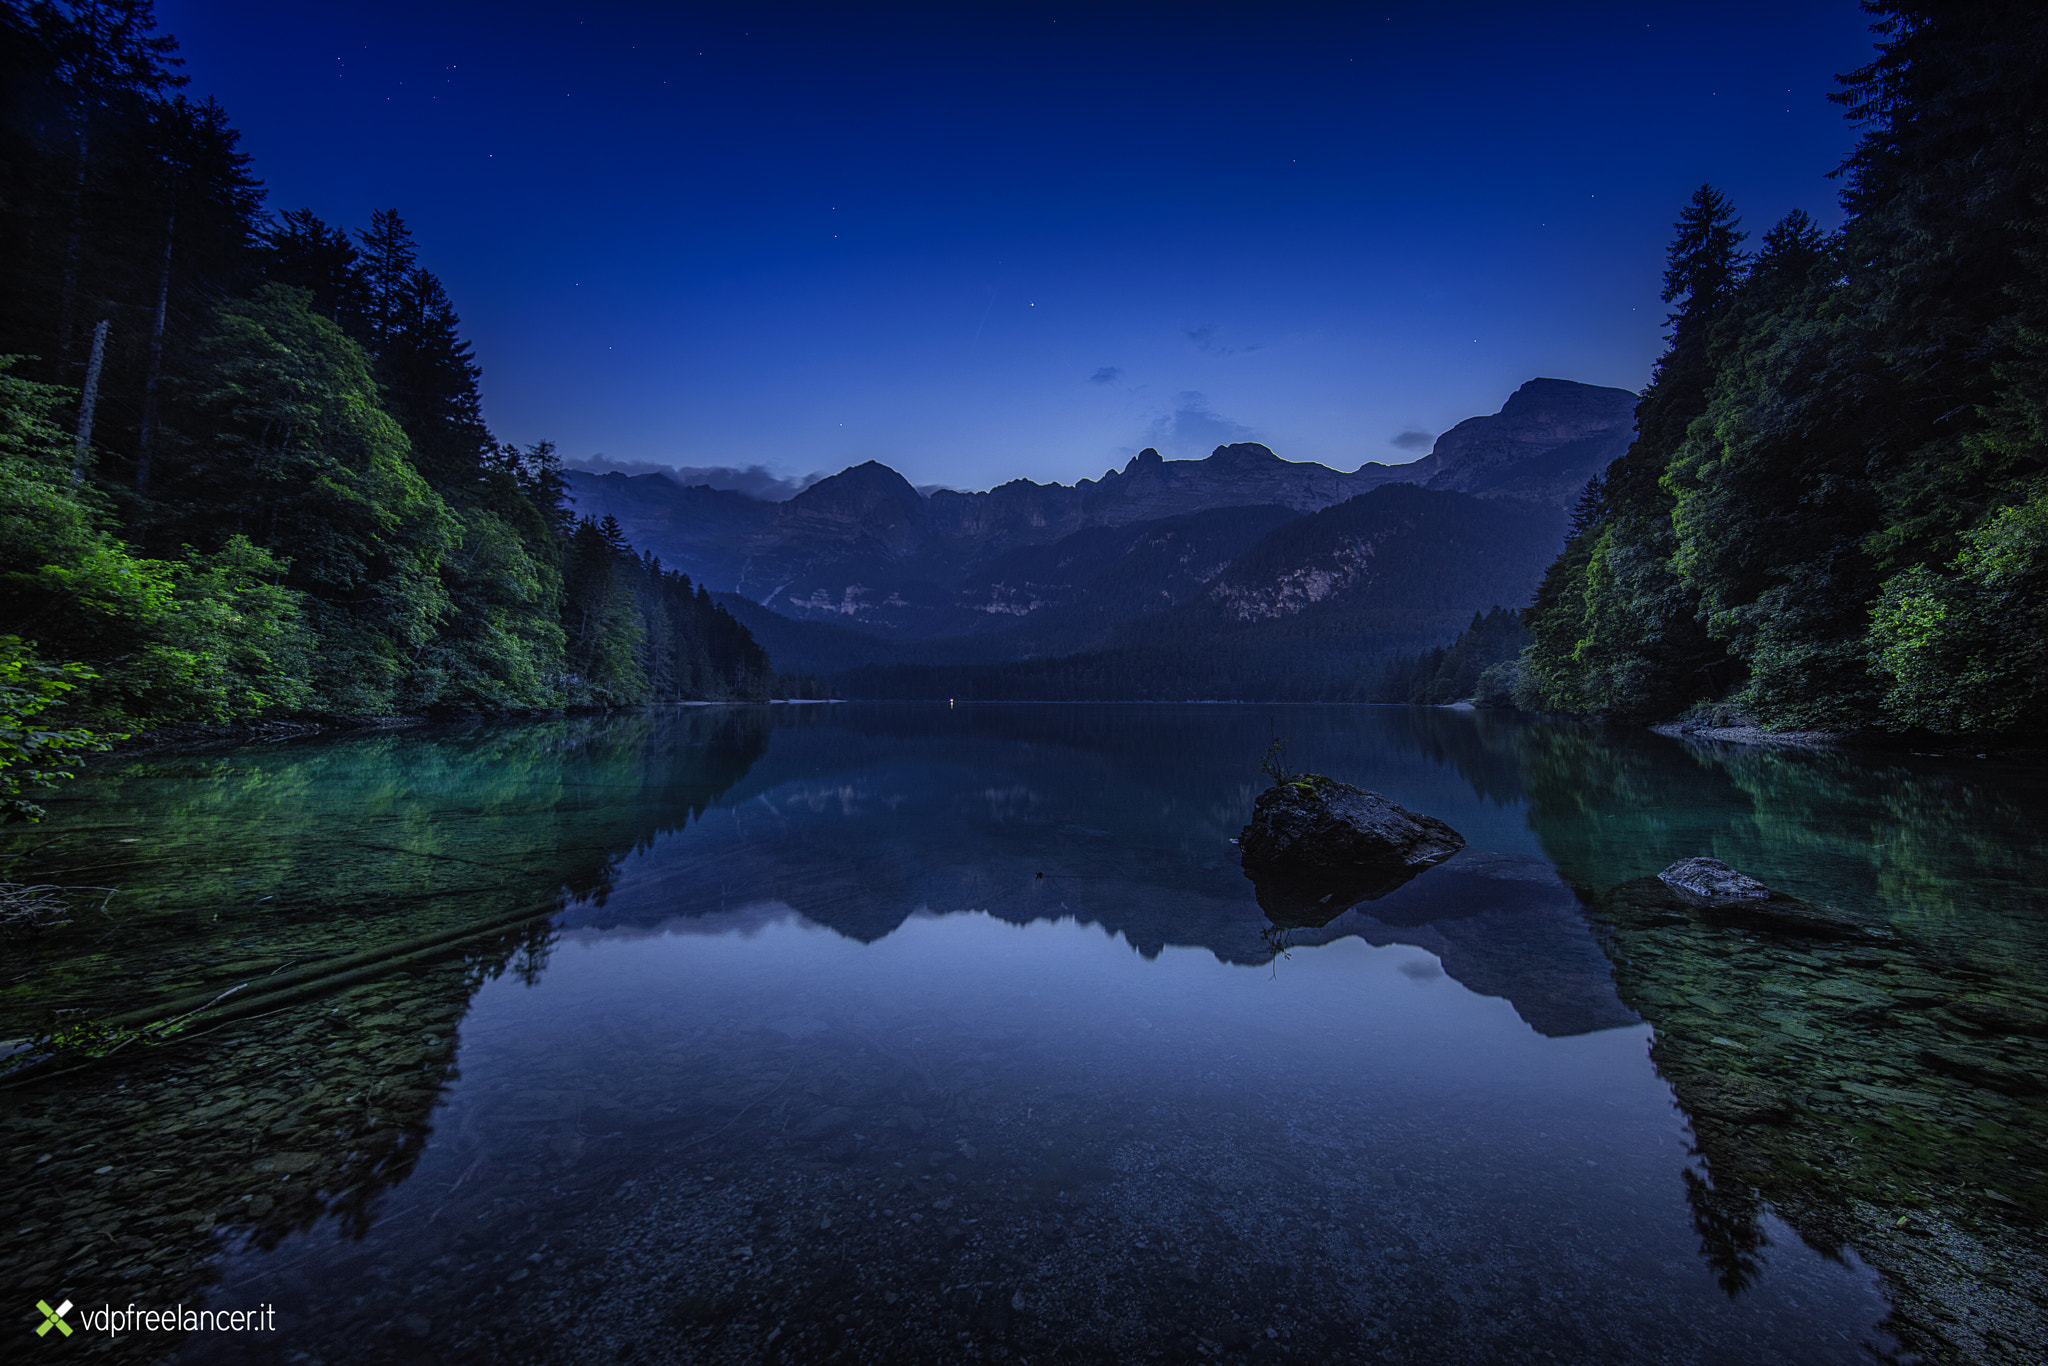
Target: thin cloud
<point x="756" y="481"/>
<point x="1194" y="428"/>
<point x="1108" y="374"/>
<point x="1413" y="441"/>
<point x="1208" y="339"/>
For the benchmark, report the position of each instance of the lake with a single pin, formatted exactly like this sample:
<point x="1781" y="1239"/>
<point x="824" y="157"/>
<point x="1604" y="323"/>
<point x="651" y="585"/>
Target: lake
<point x="926" y="1033"/>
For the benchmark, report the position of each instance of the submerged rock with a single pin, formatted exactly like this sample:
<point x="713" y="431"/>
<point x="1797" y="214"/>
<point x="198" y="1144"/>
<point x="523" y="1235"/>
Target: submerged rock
<point x="1995" y="1015"/>
<point x="1317" y="828"/>
<point x="1983" y="1069"/>
<point x="1733" y="1100"/>
<point x="1651" y="901"/>
<point x="1709" y="877"/>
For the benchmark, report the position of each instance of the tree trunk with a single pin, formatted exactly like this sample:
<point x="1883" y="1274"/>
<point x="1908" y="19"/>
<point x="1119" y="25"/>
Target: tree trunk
<point x="68" y="304"/>
<point x="88" y="399"/>
<point x="156" y="360"/>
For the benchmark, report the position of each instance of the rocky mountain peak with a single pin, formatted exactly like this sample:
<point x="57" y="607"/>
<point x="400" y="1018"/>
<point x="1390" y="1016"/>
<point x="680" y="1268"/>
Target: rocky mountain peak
<point x="1243" y="454"/>
<point x="1545" y="442"/>
<point x="1557" y="404"/>
<point x="868" y="502"/>
<point x="866" y="484"/>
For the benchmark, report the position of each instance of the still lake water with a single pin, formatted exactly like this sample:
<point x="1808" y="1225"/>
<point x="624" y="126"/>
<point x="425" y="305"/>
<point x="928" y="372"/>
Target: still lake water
<point x="870" y="1033"/>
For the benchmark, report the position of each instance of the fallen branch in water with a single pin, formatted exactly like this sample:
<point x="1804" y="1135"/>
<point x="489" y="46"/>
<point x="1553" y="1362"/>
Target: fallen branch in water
<point x="88" y="1041"/>
<point x="27" y="910"/>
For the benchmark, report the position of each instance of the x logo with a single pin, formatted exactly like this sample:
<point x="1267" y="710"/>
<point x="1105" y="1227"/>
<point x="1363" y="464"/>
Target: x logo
<point x="54" y="1318"/>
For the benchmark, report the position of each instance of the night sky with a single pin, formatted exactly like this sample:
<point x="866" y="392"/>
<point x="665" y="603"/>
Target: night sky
<point x="983" y="241"/>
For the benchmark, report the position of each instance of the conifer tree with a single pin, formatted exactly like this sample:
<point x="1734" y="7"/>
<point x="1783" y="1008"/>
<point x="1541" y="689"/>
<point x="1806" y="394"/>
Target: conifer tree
<point x="302" y="251"/>
<point x="388" y="256"/>
<point x="1613" y="626"/>
<point x="208" y="203"/>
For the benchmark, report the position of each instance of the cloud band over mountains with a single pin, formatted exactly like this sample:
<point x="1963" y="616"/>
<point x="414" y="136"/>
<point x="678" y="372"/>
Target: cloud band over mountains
<point x="1194" y="428"/>
<point x="756" y="481"/>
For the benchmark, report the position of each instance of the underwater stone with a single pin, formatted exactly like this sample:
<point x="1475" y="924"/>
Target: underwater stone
<point x="1317" y="826"/>
<point x="1734" y="1100"/>
<point x="1982" y="1069"/>
<point x="1998" y="1016"/>
<point x="1709" y="877"/>
<point x="1653" y="901"/>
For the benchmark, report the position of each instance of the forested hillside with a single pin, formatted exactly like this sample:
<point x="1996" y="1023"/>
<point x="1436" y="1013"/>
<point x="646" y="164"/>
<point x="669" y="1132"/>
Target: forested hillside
<point x="244" y="468"/>
<point x="1480" y="664"/>
<point x="1834" y="513"/>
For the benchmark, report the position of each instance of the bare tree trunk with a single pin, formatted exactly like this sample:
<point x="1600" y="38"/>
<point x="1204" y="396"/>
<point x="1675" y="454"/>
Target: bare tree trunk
<point x="68" y="304"/>
<point x="156" y="361"/>
<point x="88" y="399"/>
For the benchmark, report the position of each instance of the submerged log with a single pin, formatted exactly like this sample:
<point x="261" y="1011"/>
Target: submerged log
<point x="1651" y="901"/>
<point x="191" y="1016"/>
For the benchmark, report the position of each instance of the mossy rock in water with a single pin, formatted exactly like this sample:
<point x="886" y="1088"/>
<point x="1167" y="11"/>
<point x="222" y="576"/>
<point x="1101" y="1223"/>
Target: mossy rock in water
<point x="1983" y="1069"/>
<point x="1999" y="1015"/>
<point x="1647" y="901"/>
<point x="1732" y="1099"/>
<point x="1318" y="828"/>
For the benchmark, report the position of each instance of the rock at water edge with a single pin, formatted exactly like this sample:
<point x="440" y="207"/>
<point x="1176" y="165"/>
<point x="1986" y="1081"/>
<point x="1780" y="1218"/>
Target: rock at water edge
<point x="1315" y="826"/>
<point x="1709" y="877"/>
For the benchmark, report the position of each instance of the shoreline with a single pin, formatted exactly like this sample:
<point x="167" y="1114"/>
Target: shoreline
<point x="1857" y="742"/>
<point x="1757" y="735"/>
<point x="199" y="736"/>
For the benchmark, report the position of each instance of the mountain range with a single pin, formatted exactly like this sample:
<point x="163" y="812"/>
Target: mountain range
<point x="860" y="569"/>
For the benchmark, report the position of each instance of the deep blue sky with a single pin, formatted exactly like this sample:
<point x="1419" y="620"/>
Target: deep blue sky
<point x="977" y="241"/>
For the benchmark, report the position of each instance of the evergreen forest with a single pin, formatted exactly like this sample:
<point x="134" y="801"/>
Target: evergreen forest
<point x="244" y="467"/>
<point x="1835" y="512"/>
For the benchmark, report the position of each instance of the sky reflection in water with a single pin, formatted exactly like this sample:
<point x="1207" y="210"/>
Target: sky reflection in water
<point x="834" y="1073"/>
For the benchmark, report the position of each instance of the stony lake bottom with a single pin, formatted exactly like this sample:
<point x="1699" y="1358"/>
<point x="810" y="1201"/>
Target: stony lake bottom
<point x="876" y="1033"/>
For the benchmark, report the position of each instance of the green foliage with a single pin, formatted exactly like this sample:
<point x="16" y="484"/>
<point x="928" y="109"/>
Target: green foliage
<point x="1828" y="517"/>
<point x="1486" y="650"/>
<point x="601" y="620"/>
<point x="33" y="754"/>
<point x="501" y="649"/>
<point x="1966" y="646"/>
<point x="205" y="637"/>
<point x="299" y="458"/>
<point x="639" y="633"/>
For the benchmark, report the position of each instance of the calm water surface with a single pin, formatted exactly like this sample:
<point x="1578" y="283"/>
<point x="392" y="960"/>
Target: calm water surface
<point x="929" y="1034"/>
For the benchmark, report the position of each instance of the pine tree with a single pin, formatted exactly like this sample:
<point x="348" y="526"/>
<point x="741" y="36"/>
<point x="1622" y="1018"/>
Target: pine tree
<point x="388" y="257"/>
<point x="209" y="202"/>
<point x="429" y="380"/>
<point x="302" y="251"/>
<point x="1614" y="628"/>
<point x="1852" y="434"/>
<point x="109" y="61"/>
<point x="600" y="619"/>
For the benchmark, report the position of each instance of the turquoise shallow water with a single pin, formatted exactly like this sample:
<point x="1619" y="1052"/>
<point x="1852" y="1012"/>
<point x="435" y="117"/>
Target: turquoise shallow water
<point x="919" y="1033"/>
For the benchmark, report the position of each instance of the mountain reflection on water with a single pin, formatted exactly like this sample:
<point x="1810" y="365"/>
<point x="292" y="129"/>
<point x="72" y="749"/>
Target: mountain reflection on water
<point x="1123" y="817"/>
<point x="833" y="1052"/>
